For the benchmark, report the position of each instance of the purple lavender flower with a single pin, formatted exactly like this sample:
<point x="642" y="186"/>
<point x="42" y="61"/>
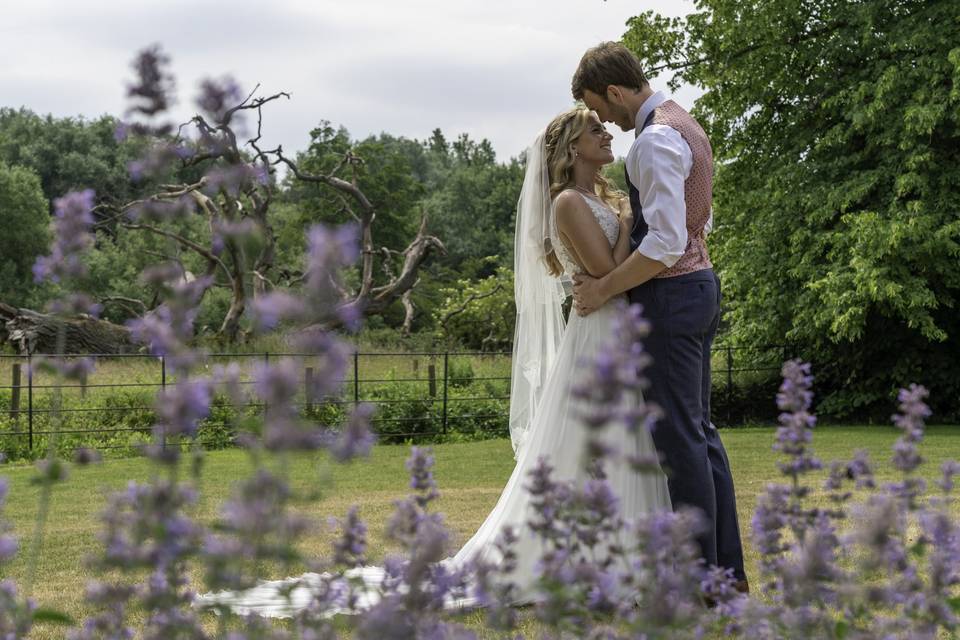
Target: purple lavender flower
<point x="168" y="329"/>
<point x="949" y="469"/>
<point x="73" y="218"/>
<point x="609" y="393"/>
<point x="78" y="369"/>
<point x="597" y="513"/>
<point x="76" y="304"/>
<point x="330" y="355"/>
<point x="420" y="465"/>
<point x="151" y="93"/>
<point x="770" y="519"/>
<point x="351" y="315"/>
<point x="491" y="586"/>
<point x="796" y="422"/>
<point x="860" y="470"/>
<point x="718" y="586"/>
<point x="327" y="251"/>
<point x="145" y="526"/>
<point x="355" y="438"/>
<point x="669" y="569"/>
<point x="254" y="525"/>
<point x="84" y="456"/>
<point x="547" y="499"/>
<point x="404" y="520"/>
<point x="270" y="309"/>
<point x="913" y="412"/>
<point x="228" y="379"/>
<point x="8" y="547"/>
<point x="121" y="132"/>
<point x="218" y="97"/>
<point x="159" y="210"/>
<point x="181" y="407"/>
<point x="233" y="179"/>
<point x="351" y="548"/>
<point x="165" y="275"/>
<point x="276" y="383"/>
<point x="16" y="620"/>
<point x="878" y="525"/>
<point x="111" y="623"/>
<point x="8" y="544"/>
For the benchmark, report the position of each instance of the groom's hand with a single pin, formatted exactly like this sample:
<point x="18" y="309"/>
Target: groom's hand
<point x="587" y="297"/>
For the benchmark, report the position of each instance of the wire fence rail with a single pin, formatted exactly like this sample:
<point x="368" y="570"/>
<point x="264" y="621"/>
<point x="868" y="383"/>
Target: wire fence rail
<point x="417" y="394"/>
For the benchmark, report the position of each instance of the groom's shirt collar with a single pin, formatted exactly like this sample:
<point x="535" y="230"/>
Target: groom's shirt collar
<point x="648" y="105"/>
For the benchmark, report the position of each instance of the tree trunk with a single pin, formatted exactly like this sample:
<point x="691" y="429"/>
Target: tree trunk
<point x="33" y="332"/>
<point x="230" y="328"/>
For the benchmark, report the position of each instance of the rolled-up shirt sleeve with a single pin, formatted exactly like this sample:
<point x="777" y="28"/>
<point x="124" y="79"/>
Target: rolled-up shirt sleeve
<point x="658" y="165"/>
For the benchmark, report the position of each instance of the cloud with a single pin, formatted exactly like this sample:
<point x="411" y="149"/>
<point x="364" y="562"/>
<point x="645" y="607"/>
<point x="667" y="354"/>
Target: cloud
<point x="496" y="69"/>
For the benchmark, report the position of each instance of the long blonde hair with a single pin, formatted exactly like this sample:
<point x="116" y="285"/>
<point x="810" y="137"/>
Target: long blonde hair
<point x="562" y="132"/>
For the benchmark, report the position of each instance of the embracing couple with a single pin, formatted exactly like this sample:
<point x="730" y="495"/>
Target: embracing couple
<point x="649" y="246"/>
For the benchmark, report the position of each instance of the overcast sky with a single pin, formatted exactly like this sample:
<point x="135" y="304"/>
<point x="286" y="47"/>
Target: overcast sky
<point x="496" y="69"/>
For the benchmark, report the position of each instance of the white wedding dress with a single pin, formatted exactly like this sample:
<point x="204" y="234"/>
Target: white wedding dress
<point x="555" y="434"/>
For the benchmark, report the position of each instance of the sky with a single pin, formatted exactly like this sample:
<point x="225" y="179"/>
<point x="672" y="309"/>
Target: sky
<point x="494" y="69"/>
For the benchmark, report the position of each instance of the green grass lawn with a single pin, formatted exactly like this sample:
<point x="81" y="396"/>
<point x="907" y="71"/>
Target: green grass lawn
<point x="470" y="476"/>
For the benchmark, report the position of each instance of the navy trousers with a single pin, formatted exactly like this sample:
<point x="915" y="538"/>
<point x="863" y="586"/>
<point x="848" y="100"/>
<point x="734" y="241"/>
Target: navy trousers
<point x="684" y="312"/>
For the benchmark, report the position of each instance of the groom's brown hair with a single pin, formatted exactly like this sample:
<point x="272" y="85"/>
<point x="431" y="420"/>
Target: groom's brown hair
<point x="606" y="64"/>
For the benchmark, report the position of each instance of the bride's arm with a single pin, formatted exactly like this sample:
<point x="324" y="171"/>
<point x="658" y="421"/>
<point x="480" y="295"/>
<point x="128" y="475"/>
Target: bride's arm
<point x="582" y="235"/>
<point x="621" y="251"/>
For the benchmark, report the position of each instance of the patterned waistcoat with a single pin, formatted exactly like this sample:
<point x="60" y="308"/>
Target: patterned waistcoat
<point x="697" y="190"/>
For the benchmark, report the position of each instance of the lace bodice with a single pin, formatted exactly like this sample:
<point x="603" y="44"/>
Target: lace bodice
<point x="608" y="221"/>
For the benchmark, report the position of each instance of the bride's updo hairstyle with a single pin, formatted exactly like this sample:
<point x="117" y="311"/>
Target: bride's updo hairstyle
<point x="562" y="133"/>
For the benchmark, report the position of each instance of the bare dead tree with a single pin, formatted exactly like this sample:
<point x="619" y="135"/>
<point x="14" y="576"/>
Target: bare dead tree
<point x="226" y="202"/>
<point x="370" y="298"/>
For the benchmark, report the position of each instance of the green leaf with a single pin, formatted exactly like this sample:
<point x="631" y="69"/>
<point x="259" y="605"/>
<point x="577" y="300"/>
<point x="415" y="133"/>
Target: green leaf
<point x="954" y="604"/>
<point x="52" y="616"/>
<point x="918" y="549"/>
<point x="833" y="191"/>
<point x="841" y="629"/>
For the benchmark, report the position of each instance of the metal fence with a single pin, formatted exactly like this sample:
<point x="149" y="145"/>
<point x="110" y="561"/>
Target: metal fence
<point x="439" y="382"/>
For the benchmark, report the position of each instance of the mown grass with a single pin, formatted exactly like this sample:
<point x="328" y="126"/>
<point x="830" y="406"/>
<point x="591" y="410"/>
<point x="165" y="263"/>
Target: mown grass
<point x="471" y="476"/>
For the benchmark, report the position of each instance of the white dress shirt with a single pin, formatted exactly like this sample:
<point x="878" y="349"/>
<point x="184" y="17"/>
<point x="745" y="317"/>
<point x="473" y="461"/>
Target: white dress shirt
<point x="658" y="164"/>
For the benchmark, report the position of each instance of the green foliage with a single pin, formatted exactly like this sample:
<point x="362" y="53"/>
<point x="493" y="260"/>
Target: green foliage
<point x="461" y="373"/>
<point x="468" y="197"/>
<point x="24" y="212"/>
<point x="835" y="128"/>
<point x="118" y="422"/>
<point x="389" y="171"/>
<point x="473" y="206"/>
<point x="69" y="153"/>
<point x="404" y="411"/>
<point x="479" y="314"/>
<point x="407" y="413"/>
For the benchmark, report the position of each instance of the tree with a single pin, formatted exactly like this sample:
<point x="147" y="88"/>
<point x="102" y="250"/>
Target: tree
<point x="390" y="171"/>
<point x="70" y="153"/>
<point x="479" y="314"/>
<point x="473" y="204"/>
<point x="23" y="210"/>
<point x="836" y="129"/>
<point x="386" y="196"/>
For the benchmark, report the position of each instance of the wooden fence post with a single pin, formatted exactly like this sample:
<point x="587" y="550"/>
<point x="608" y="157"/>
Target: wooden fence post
<point x="15" y="395"/>
<point x="308" y="388"/>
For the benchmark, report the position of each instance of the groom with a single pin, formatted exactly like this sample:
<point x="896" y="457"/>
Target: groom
<point x="670" y="175"/>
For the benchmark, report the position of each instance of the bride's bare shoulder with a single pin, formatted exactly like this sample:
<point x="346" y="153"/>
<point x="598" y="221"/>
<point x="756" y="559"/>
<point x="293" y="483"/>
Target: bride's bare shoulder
<point x="569" y="206"/>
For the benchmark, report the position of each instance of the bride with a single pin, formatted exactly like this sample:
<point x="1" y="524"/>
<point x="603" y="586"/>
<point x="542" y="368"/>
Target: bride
<point x="566" y="224"/>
